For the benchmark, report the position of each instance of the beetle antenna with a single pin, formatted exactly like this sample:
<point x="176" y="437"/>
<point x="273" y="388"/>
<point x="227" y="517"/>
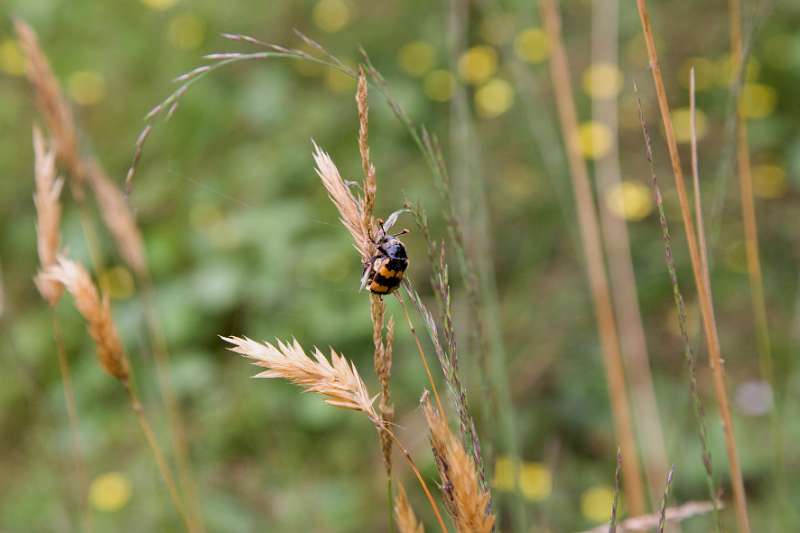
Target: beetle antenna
<point x="403" y="232"/>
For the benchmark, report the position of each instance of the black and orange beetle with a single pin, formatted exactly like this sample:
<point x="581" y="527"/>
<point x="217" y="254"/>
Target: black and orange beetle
<point x="384" y="271"/>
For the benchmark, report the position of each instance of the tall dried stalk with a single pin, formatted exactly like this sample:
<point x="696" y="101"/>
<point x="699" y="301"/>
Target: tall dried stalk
<point x="748" y="207"/>
<point x="121" y="222"/>
<point x="703" y="289"/>
<point x="383" y="347"/>
<point x="96" y="310"/>
<point x="595" y="268"/>
<point x="337" y="380"/>
<point x="465" y="499"/>
<point x="647" y="421"/>
<point x="682" y="321"/>
<point x="48" y="240"/>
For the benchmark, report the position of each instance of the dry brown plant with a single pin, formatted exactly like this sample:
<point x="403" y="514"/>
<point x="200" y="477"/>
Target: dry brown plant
<point x="595" y="266"/>
<point x="351" y="212"/>
<point x="48" y="215"/>
<point x="407" y="521"/>
<point x="118" y="217"/>
<point x="96" y="310"/>
<point x="464" y="498"/>
<point x="54" y="107"/>
<point x="703" y="289"/>
<point x="336" y="380"/>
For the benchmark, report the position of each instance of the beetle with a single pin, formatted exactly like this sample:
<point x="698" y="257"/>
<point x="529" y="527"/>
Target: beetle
<point x="384" y="271"/>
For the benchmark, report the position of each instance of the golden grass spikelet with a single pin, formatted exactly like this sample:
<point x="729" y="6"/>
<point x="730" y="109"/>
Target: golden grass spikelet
<point x="118" y="218"/>
<point x="48" y="215"/>
<point x="370" y="182"/>
<point x="404" y="515"/>
<point x="350" y="208"/>
<point x="382" y="361"/>
<point x="50" y="100"/>
<point x="96" y="311"/>
<point x="464" y="499"/>
<point x="336" y="380"/>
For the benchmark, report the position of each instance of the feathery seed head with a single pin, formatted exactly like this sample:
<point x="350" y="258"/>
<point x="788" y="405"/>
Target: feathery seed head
<point x="404" y="515"/>
<point x="465" y="500"/>
<point x="336" y="380"/>
<point x="48" y="214"/>
<point x="96" y="311"/>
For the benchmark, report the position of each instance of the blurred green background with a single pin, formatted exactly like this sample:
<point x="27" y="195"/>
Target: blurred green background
<point x="242" y="239"/>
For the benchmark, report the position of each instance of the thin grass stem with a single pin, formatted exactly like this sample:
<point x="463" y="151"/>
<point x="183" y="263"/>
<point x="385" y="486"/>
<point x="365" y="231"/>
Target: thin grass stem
<point x="78" y="458"/>
<point x="158" y="454"/>
<point x="682" y="321"/>
<point x="593" y="254"/>
<point x="704" y="290"/>
<point x="421" y="352"/>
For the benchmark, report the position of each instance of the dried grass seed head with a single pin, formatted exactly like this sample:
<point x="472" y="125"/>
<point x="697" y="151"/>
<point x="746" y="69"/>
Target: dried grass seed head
<point x="48" y="214"/>
<point x="351" y="210"/>
<point x="96" y="311"/>
<point x="336" y="380"/>
<point x="465" y="500"/>
<point x="118" y="217"/>
<point x="51" y="101"/>
<point x="405" y="518"/>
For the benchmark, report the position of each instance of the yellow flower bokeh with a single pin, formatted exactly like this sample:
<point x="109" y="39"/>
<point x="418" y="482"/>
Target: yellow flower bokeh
<point x="681" y="123"/>
<point x="186" y="31"/>
<point x="602" y="81"/>
<point x="416" y="58"/>
<point x="331" y="15"/>
<point x="494" y="98"/>
<point x="504" y="474"/>
<point x="769" y="181"/>
<point x="439" y="85"/>
<point x="757" y="100"/>
<point x="596" y="503"/>
<point x="532" y="45"/>
<point x="477" y="64"/>
<point x="630" y="200"/>
<point x="535" y="479"/>
<point x="159" y="5"/>
<point x="110" y="491"/>
<point x="594" y="139"/>
<point x="87" y="87"/>
<point x="11" y="59"/>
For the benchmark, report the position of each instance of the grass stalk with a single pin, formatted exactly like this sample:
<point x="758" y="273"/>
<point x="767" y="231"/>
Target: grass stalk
<point x="620" y="263"/>
<point x="449" y="359"/>
<point x="158" y="454"/>
<point x="78" y="458"/>
<point x="754" y="272"/>
<point x="682" y="322"/>
<point x="592" y="248"/>
<point x="662" y="520"/>
<point x="704" y="290"/>
<point x="421" y="352"/>
<point x="612" y="523"/>
<point x="175" y="420"/>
